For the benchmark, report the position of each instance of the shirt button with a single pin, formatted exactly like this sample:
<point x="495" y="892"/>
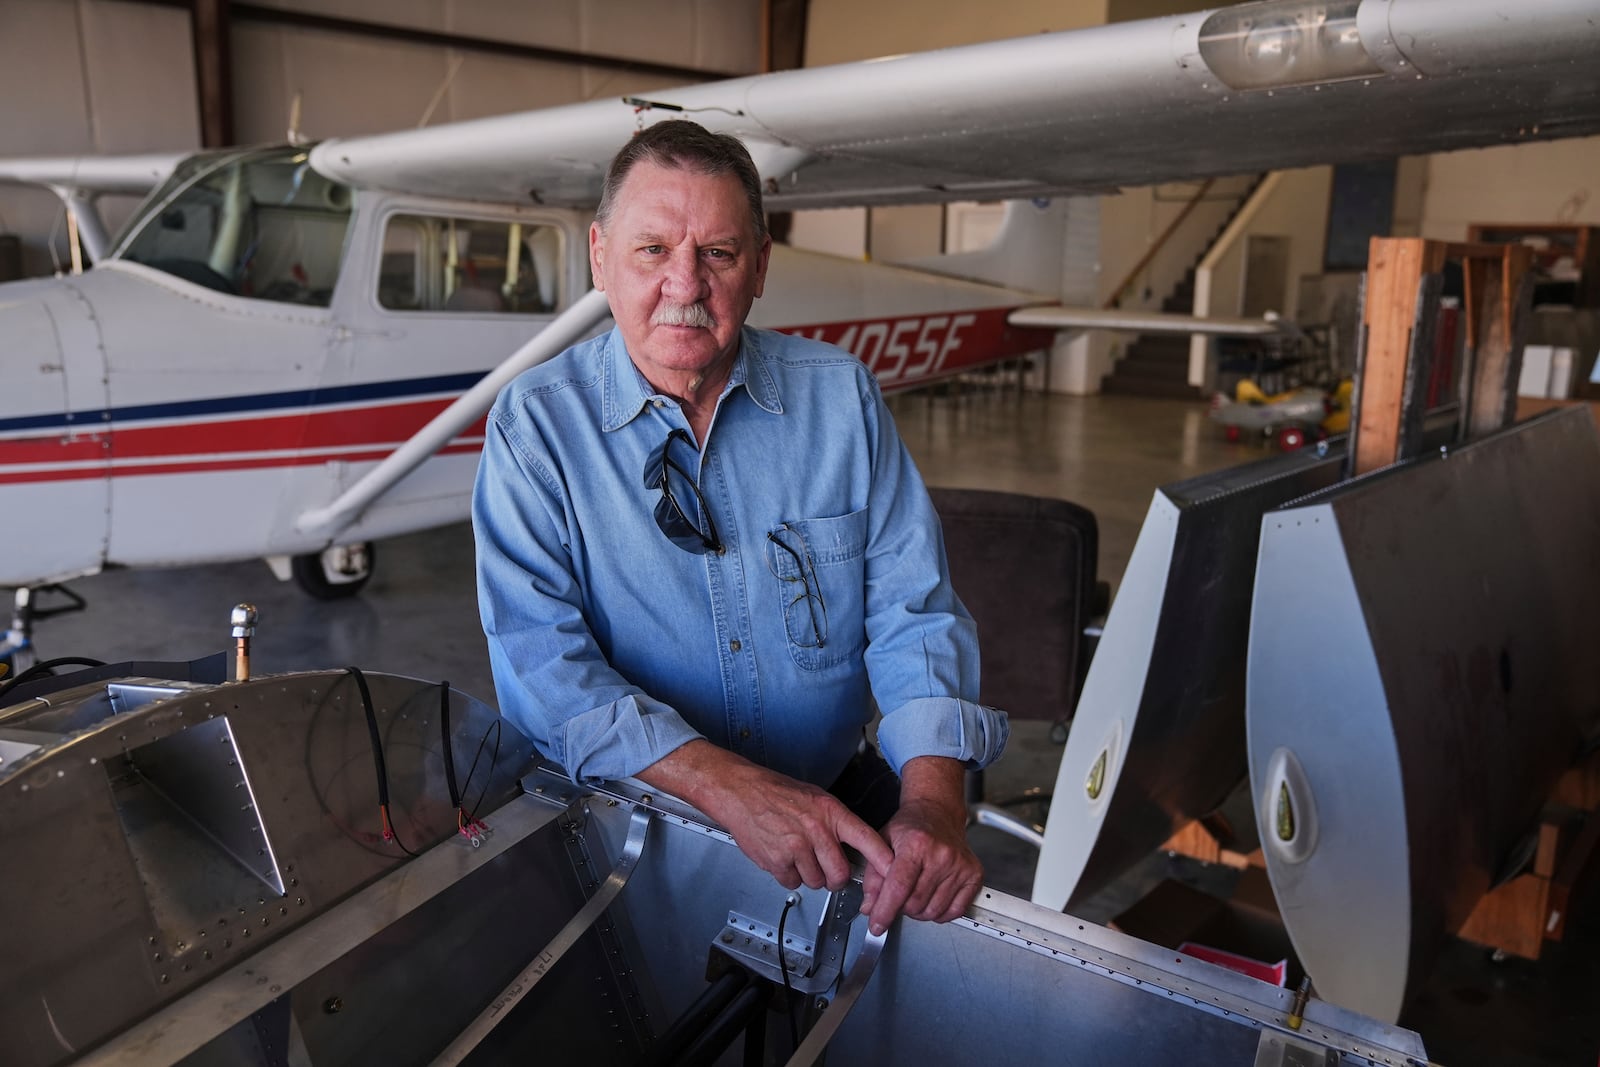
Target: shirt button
<point x="735" y="645"/>
<point x="659" y="403"/>
<point x="744" y="734"/>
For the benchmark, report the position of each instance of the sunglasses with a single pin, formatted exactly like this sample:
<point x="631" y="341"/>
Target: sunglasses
<point x="680" y="529"/>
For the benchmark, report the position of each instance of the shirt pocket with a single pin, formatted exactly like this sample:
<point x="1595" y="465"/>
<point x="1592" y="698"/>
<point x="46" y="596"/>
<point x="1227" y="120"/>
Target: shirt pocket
<point x="819" y="571"/>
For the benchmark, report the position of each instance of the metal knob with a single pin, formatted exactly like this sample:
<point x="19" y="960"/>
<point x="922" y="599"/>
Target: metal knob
<point x="243" y="620"/>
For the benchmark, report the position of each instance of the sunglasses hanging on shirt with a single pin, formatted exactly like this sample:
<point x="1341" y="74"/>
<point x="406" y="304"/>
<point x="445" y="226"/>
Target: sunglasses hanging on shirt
<point x="674" y="521"/>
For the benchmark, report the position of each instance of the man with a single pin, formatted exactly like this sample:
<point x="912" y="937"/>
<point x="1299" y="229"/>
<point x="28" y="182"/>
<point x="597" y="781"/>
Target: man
<point x="698" y="543"/>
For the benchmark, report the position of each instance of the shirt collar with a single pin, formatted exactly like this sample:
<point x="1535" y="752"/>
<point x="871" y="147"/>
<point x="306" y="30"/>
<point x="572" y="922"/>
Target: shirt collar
<point x="625" y="392"/>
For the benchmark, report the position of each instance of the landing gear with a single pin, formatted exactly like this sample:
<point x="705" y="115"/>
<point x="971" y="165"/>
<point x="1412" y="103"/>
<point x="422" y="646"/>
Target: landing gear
<point x="17" y="653"/>
<point x="336" y="572"/>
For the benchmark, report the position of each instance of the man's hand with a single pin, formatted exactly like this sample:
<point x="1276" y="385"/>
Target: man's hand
<point x="934" y="875"/>
<point x="791" y="830"/>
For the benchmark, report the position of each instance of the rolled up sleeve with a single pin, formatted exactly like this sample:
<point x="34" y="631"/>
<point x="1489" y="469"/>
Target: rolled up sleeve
<point x="922" y="645"/>
<point x="551" y="678"/>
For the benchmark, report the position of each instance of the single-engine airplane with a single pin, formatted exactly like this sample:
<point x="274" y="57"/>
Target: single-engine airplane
<point x="288" y="351"/>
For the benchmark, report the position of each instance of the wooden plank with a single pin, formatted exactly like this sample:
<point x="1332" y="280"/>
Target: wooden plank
<point x="1395" y="267"/>
<point x="1512" y="917"/>
<point x="1497" y="298"/>
<point x="1196" y="841"/>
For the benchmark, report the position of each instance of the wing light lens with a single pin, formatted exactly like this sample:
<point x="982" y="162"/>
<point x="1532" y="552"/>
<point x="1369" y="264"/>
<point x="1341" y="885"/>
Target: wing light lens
<point x="1276" y="44"/>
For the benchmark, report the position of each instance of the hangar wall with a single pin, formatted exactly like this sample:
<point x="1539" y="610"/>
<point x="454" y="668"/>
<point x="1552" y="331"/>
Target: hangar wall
<point x="1550" y="181"/>
<point x="88" y="76"/>
<point x="109" y="76"/>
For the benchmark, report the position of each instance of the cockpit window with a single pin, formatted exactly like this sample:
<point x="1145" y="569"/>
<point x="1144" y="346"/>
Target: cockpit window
<point x="264" y="226"/>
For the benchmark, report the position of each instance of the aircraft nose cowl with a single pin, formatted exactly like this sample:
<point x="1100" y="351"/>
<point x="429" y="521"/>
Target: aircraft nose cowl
<point x="34" y="368"/>
<point x="53" y="366"/>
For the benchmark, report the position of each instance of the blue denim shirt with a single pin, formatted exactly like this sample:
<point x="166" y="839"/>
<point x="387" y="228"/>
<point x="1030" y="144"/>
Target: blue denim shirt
<point x="611" y="646"/>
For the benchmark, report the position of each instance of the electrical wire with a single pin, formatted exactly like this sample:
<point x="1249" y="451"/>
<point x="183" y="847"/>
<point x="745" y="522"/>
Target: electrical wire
<point x="783" y="969"/>
<point x="378" y="765"/>
<point x="467" y="821"/>
<point x="46" y="668"/>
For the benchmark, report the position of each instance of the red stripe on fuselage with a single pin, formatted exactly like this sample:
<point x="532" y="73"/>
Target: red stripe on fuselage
<point x="459" y="447"/>
<point x="358" y="435"/>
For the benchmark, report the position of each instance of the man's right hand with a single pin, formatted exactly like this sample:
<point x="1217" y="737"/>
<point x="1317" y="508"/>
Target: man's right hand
<point x="790" y="829"/>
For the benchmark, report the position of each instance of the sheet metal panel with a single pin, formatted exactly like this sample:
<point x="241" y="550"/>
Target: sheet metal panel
<point x="1010" y="982"/>
<point x="134" y="893"/>
<point x="1162" y="710"/>
<point x="1420" y="671"/>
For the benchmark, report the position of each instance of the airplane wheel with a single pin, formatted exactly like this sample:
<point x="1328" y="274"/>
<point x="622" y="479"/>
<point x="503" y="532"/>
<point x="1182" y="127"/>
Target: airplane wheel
<point x="336" y="572"/>
<point x="1291" y="438"/>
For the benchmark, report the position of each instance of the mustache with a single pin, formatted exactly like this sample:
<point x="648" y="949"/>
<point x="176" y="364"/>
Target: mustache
<point x="670" y="314"/>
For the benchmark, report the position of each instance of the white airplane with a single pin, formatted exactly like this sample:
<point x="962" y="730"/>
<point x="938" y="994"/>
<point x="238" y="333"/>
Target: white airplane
<point x="288" y="352"/>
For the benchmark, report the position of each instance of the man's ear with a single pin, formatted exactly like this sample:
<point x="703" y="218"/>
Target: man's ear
<point x="597" y="240"/>
<point x="761" y="265"/>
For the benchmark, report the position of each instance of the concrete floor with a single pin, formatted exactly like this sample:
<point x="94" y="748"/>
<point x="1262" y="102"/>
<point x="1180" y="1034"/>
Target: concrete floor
<point x="418" y="617"/>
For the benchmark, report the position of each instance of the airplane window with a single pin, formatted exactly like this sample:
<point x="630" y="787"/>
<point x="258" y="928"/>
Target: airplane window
<point x="469" y="265"/>
<point x="264" y="226"/>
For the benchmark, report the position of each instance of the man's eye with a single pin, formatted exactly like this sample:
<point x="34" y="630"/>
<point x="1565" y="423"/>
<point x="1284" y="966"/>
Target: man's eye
<point x="718" y="253"/>
<point x="653" y="250"/>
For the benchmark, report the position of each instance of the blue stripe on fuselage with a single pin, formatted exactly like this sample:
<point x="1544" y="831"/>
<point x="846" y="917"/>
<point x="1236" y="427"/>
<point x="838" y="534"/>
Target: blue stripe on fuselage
<point x="258" y="402"/>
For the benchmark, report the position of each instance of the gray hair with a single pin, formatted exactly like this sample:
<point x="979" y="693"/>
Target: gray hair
<point x="679" y="143"/>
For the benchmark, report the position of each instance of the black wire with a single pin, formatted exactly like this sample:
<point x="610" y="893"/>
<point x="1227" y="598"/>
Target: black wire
<point x="449" y="754"/>
<point x="47" y="667"/>
<point x="783" y="969"/>
<point x="494" y="760"/>
<point x="378" y="765"/>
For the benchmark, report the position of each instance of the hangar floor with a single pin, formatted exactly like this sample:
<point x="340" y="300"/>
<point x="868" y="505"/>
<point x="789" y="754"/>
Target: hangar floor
<point x="418" y="617"/>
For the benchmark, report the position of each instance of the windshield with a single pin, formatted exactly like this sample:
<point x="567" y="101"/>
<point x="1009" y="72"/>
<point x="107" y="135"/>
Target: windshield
<point x="264" y="226"/>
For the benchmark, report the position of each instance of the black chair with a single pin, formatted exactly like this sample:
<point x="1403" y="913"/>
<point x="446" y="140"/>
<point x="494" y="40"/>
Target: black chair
<point x="1026" y="568"/>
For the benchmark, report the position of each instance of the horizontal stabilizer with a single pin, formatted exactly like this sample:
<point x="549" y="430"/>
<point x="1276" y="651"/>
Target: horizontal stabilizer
<point x="1065" y="318"/>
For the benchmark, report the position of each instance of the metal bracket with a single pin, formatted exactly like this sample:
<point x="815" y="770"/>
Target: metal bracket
<point x="575" y="928"/>
<point x="746" y="936"/>
<point x="816" y="1042"/>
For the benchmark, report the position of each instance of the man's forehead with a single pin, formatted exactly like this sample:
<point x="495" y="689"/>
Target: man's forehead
<point x="649" y="184"/>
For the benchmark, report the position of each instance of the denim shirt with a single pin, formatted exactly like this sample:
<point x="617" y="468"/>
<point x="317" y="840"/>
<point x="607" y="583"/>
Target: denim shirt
<point x="611" y="646"/>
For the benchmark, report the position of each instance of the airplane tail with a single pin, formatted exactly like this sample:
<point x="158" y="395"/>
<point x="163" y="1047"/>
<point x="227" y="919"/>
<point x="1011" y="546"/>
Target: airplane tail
<point x="1035" y="249"/>
<point x="1249" y="392"/>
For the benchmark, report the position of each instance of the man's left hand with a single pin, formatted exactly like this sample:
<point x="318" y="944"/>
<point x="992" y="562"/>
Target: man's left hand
<point x="935" y="874"/>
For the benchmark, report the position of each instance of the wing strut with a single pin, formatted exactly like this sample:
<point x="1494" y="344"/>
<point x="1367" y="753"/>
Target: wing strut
<point x="566" y="329"/>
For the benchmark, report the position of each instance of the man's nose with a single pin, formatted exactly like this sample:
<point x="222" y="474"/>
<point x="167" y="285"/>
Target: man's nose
<point x="686" y="277"/>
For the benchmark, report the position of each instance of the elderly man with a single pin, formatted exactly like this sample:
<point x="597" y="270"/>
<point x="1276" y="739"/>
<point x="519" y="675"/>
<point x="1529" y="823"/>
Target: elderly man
<point x="703" y="552"/>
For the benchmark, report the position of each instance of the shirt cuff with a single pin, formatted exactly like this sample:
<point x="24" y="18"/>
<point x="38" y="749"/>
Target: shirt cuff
<point x="620" y="739"/>
<point x="943" y="726"/>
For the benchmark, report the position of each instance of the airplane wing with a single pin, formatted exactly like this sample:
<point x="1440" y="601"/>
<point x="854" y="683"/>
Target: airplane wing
<point x="1067" y="318"/>
<point x="1260" y="86"/>
<point x="131" y="175"/>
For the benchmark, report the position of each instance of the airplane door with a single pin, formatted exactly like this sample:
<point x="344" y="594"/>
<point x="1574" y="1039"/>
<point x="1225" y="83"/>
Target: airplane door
<point x="447" y="298"/>
<point x="54" y="436"/>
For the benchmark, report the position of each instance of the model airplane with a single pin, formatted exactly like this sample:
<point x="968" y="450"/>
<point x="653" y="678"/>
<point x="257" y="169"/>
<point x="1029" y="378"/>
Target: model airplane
<point x="289" y="351"/>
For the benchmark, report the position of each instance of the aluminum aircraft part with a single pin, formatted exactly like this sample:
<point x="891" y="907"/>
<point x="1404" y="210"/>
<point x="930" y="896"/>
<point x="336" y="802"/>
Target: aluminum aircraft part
<point x="171" y="831"/>
<point x="235" y="996"/>
<point x="1419" y="674"/>
<point x="1159" y="738"/>
<point x="551" y="954"/>
<point x="866" y="964"/>
<point x="1130" y="103"/>
<point x="370" y="957"/>
<point x="1011" y="982"/>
